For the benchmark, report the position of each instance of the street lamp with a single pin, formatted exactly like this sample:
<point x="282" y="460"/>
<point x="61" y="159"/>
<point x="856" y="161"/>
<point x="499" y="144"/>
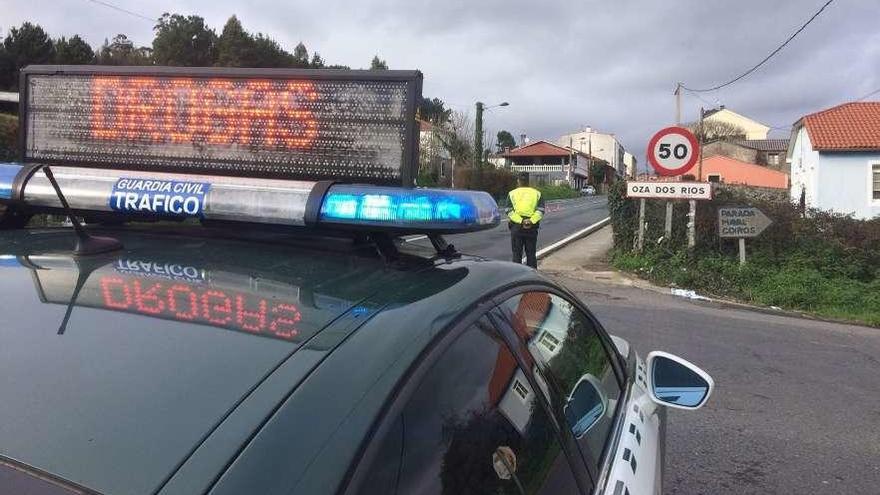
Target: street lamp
<point x="478" y="130"/>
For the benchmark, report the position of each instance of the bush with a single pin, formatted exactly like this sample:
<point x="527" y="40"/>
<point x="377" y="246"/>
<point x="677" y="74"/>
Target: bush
<point x="816" y="261"/>
<point x="8" y="137"/>
<point x="496" y="181"/>
<point x="562" y="191"/>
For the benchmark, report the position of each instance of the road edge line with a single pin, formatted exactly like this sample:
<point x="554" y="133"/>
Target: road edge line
<point x="543" y="252"/>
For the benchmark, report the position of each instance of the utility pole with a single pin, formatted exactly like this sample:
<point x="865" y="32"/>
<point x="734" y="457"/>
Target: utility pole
<point x="667" y="225"/>
<point x="478" y="136"/>
<point x="677" y="103"/>
<point x="700" y="137"/>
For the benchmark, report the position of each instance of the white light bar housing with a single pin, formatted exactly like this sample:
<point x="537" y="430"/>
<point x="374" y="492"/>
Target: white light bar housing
<point x="132" y="194"/>
<point x="238" y="199"/>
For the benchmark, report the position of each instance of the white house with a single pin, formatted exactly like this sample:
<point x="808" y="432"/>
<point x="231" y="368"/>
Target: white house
<point x="835" y="159"/>
<point x="753" y="128"/>
<point x="432" y="154"/>
<point x="598" y="144"/>
<point x="630" y="164"/>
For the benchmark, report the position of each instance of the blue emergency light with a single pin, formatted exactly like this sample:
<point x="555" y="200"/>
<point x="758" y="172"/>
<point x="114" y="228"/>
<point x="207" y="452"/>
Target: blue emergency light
<point x="8" y="172"/>
<point x="403" y="208"/>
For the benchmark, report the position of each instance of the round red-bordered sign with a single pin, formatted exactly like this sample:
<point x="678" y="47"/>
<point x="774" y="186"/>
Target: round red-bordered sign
<point x="673" y="151"/>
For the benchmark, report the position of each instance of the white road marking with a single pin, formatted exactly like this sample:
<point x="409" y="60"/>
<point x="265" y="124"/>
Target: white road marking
<point x="414" y="238"/>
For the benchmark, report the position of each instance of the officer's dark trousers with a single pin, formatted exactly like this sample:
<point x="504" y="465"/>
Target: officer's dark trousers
<point x="528" y="240"/>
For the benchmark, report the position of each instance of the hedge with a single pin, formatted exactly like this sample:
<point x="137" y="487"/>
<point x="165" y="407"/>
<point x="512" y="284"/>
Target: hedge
<point x="8" y="137"/>
<point x="811" y="260"/>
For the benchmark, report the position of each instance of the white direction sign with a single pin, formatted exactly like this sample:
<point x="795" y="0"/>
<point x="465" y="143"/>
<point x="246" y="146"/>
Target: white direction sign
<point x="669" y="190"/>
<point x="741" y="222"/>
<point x="673" y="151"/>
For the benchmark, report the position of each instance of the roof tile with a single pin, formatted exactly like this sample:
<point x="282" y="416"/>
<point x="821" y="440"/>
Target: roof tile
<point x="538" y="148"/>
<point x="765" y="144"/>
<point x="850" y="126"/>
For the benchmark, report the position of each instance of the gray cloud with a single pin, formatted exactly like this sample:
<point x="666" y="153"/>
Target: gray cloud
<point x="560" y="64"/>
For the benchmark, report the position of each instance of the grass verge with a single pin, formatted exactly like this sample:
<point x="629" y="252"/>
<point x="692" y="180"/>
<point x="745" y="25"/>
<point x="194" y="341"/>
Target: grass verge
<point x="789" y="283"/>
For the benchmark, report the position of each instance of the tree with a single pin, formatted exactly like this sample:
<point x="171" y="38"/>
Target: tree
<point x="505" y="141"/>
<point x="300" y="56"/>
<point x="317" y="62"/>
<point x="712" y="129"/>
<point x="598" y="172"/>
<point x="458" y="138"/>
<point x="434" y="110"/>
<point x="378" y="63"/>
<point x="268" y="53"/>
<point x="122" y="52"/>
<point x="73" y="51"/>
<point x="235" y="47"/>
<point x="24" y="46"/>
<point x="183" y="41"/>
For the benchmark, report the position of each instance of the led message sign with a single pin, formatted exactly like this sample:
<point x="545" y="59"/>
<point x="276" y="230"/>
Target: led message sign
<point x="293" y="124"/>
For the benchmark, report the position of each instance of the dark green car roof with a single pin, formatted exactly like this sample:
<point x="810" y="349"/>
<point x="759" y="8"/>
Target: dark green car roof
<point x="189" y="361"/>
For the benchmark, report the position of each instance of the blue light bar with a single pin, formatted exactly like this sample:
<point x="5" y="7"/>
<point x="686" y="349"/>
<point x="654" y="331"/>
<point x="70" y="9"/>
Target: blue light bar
<point x="8" y="172"/>
<point x="412" y="210"/>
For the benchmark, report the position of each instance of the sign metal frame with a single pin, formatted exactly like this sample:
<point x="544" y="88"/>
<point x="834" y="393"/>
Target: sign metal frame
<point x="412" y="79"/>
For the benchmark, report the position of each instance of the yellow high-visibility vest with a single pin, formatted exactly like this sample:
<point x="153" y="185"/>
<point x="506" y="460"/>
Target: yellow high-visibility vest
<point x="524" y="204"/>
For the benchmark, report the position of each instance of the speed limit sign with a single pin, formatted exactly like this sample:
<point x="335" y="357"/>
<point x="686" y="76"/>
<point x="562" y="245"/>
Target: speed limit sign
<point x="673" y="151"/>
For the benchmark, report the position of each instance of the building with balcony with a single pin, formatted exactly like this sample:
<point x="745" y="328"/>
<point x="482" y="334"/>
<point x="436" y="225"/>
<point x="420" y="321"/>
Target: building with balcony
<point x="547" y="164"/>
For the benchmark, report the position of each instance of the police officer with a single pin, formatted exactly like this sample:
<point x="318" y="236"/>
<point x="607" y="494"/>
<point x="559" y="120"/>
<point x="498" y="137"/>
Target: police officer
<point x="525" y="211"/>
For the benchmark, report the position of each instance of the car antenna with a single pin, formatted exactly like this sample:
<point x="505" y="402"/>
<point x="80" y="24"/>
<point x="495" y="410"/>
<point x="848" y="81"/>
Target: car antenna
<point x="84" y="269"/>
<point x="86" y="244"/>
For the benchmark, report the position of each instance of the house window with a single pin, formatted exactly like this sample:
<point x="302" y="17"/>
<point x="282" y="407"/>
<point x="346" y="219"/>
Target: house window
<point x="714" y="177"/>
<point x="549" y="341"/>
<point x="520" y="390"/>
<point x="773" y="159"/>
<point x="875" y="181"/>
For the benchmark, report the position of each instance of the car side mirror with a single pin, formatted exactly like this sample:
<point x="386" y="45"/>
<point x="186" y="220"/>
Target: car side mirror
<point x="674" y="382"/>
<point x="585" y="406"/>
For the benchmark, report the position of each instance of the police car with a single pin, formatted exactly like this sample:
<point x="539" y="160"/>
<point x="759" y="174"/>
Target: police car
<point x="238" y="315"/>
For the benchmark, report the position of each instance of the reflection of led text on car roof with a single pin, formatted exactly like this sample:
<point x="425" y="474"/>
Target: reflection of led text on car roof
<point x="186" y="302"/>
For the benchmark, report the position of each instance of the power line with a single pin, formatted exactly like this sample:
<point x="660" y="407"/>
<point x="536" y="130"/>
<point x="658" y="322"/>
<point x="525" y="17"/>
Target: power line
<point x="768" y="57"/>
<point x="124" y="11"/>
<point x="872" y="93"/>
<point x="697" y="95"/>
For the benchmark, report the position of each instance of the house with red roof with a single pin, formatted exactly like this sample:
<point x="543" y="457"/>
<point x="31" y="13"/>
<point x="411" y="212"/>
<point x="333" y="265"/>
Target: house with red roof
<point x="835" y="159"/>
<point x="547" y="163"/>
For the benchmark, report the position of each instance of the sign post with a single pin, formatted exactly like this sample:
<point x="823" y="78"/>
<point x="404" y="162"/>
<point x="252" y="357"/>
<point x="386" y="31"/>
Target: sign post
<point x="692" y="223"/>
<point x="667" y="227"/>
<point x="641" y="239"/>
<point x="740" y="222"/>
<point x="667" y="190"/>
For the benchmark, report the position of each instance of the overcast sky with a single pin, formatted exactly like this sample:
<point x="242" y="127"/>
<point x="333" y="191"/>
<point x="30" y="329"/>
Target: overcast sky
<point x="561" y="64"/>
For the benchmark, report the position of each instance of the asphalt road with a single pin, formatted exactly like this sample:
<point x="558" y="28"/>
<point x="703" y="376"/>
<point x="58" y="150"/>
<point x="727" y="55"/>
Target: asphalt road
<point x="559" y="221"/>
<point x="796" y="407"/>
